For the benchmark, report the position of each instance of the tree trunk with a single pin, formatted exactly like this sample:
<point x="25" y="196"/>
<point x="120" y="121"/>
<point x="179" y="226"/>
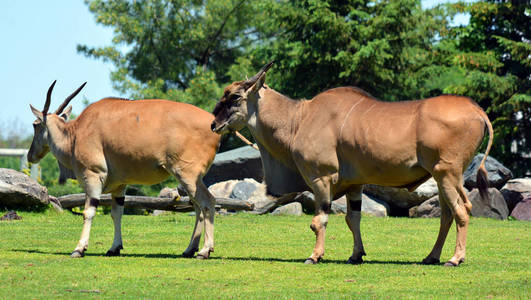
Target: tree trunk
<point x="182" y="204"/>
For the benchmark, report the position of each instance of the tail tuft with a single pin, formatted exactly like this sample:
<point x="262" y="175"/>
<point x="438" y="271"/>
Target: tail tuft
<point x="483" y="183"/>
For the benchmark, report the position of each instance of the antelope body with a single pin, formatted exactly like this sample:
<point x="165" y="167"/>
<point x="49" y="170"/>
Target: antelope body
<point x="344" y="138"/>
<point x="115" y="142"/>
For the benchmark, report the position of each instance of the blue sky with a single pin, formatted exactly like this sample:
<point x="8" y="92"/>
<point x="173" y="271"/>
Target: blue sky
<point x="39" y="40"/>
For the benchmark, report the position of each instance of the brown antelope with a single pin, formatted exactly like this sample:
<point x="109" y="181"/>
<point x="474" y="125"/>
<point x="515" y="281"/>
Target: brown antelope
<point x="115" y="142"/>
<point x="344" y="138"/>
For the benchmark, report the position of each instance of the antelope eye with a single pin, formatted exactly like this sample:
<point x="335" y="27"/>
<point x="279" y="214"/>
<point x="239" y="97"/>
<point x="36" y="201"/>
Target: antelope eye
<point x="234" y="97"/>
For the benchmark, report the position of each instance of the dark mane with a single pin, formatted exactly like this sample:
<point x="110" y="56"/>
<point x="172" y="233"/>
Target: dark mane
<point x="117" y="98"/>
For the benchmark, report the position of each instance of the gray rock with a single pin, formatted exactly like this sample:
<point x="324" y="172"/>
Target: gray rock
<point x="222" y="189"/>
<point x="243" y="190"/>
<point x="515" y="190"/>
<point x="498" y="174"/>
<point x="10" y="215"/>
<point x="522" y="210"/>
<point x="292" y="209"/>
<point x="17" y="190"/>
<point x="401" y="197"/>
<point x="496" y="209"/>
<point x="169" y="193"/>
<point x="373" y="206"/>
<point x="369" y="205"/>
<point x="428" y="209"/>
<point x="240" y="163"/>
<point x="158" y="212"/>
<point x="339" y="206"/>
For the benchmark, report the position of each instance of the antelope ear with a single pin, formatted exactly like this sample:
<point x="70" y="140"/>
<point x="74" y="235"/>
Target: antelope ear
<point x="66" y="113"/>
<point x="258" y="84"/>
<point x="37" y="113"/>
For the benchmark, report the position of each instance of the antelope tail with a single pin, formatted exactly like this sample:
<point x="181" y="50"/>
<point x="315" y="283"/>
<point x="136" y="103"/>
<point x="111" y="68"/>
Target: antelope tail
<point x="482" y="177"/>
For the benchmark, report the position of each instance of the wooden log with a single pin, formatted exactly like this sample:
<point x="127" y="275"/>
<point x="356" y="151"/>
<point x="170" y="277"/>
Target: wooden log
<point x="182" y="204"/>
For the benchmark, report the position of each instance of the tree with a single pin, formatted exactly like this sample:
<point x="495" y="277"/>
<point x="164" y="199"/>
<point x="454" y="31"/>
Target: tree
<point x="489" y="60"/>
<point x="375" y="45"/>
<point x="174" y="49"/>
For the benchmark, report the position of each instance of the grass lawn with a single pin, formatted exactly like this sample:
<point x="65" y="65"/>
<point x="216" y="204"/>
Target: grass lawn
<point x="259" y="257"/>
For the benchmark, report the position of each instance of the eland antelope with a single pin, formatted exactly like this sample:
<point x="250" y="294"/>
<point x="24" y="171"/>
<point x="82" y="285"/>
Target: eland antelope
<point x="344" y="138"/>
<point x="115" y="142"/>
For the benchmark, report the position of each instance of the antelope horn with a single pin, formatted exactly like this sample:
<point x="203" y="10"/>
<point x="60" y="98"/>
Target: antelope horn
<point x="264" y="69"/>
<point x="68" y="99"/>
<point x="48" y="99"/>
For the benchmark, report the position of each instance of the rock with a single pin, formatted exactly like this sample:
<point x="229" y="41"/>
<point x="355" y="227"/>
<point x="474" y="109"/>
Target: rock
<point x="17" y="190"/>
<point x="169" y="193"/>
<point x="400" y="197"/>
<point x="522" y="210"/>
<point x="10" y="215"/>
<point x="339" y="206"/>
<point x="427" y="209"/>
<point x="222" y="189"/>
<point x="369" y="206"/>
<point x="373" y="206"/>
<point x="243" y="190"/>
<point x="292" y="209"/>
<point x="240" y="163"/>
<point x="496" y="209"/>
<point x="497" y="173"/>
<point x="158" y="212"/>
<point x="515" y="190"/>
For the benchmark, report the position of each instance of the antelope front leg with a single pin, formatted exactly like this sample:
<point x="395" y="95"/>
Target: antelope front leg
<point x="207" y="204"/>
<point x="193" y="247"/>
<point x="117" y="211"/>
<point x="88" y="214"/>
<point x="320" y="220"/>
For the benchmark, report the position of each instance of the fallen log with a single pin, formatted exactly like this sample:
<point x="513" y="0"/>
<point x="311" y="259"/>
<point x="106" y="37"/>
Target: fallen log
<point x="181" y="204"/>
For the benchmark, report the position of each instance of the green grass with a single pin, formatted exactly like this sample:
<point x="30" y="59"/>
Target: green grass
<point x="259" y="257"/>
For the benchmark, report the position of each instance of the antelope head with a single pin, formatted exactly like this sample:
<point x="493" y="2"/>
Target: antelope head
<point x="40" y="144"/>
<point x="231" y="111"/>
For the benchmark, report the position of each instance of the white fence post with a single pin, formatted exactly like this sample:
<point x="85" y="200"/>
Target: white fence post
<point x="23" y="155"/>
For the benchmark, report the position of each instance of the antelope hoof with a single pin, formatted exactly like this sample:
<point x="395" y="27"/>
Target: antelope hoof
<point x="115" y="252"/>
<point x="77" y="254"/>
<point x="452" y="264"/>
<point x="189" y="254"/>
<point x="202" y="256"/>
<point x="355" y="260"/>
<point x="311" y="261"/>
<point x="431" y="261"/>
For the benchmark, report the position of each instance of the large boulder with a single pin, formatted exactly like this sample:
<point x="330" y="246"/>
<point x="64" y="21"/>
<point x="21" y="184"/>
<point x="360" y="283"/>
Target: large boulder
<point x="428" y="209"/>
<point x="246" y="189"/>
<point x="369" y="205"/>
<point x="291" y="209"/>
<point x="401" y="197"/>
<point x="498" y="174"/>
<point x="522" y="210"/>
<point x="17" y="190"/>
<point x="496" y="208"/>
<point x="240" y="163"/>
<point x="243" y="190"/>
<point x="515" y="190"/>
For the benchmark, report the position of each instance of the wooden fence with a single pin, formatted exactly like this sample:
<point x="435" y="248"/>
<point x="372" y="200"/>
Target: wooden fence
<point x="23" y="155"/>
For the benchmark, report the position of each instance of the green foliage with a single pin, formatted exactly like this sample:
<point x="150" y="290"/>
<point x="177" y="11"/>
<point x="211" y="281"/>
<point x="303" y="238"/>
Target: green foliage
<point x="491" y="58"/>
<point x="179" y="50"/>
<point x="374" y="45"/>
<point x="259" y="257"/>
<point x="188" y="50"/>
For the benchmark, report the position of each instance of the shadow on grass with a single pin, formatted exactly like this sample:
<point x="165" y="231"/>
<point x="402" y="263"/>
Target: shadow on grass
<point x="266" y="259"/>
